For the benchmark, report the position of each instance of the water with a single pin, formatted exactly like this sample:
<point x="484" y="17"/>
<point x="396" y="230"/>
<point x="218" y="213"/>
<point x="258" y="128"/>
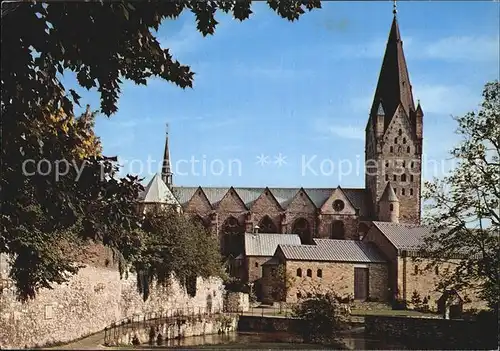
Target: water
<point x="274" y="340"/>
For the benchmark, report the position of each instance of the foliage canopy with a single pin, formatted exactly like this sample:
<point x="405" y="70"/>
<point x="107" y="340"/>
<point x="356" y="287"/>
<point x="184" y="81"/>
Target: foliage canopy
<point x="104" y="43"/>
<point x="464" y="206"/>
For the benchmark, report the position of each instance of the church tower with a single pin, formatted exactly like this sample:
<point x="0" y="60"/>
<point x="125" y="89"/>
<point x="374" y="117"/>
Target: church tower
<point x="393" y="150"/>
<point x="166" y="171"/>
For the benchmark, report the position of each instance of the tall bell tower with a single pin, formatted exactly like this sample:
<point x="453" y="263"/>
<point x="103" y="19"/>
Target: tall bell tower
<point x="394" y="134"/>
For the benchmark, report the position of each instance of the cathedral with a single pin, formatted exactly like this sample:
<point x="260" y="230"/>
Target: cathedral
<point x="392" y="192"/>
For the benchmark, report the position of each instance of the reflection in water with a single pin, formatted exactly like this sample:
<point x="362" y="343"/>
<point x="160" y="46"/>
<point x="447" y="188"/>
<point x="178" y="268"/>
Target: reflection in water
<point x="273" y="340"/>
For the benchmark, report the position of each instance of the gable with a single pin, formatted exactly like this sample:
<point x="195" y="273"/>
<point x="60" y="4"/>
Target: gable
<point x="301" y="203"/>
<point x="266" y="203"/>
<point x="231" y="202"/>
<point x="198" y="203"/>
<point x="399" y="123"/>
<point x="338" y="194"/>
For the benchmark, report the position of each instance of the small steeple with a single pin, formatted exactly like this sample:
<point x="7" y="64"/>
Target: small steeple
<point x="389" y="194"/>
<point x="166" y="172"/>
<point x="380" y="111"/>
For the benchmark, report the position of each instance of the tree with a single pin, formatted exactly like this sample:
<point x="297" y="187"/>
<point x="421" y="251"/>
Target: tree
<point x="103" y="43"/>
<point x="174" y="246"/>
<point x="284" y="282"/>
<point x="323" y="317"/>
<point x="464" y="207"/>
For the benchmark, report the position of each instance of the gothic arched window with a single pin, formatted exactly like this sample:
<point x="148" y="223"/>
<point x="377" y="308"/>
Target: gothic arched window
<point x="408" y="149"/>
<point x="391" y="149"/>
<point x="309" y="273"/>
<point x="403" y="191"/>
<point x="232" y="237"/>
<point x="404" y="140"/>
<point x="394" y="177"/>
<point x="411" y="191"/>
<point x="400" y="132"/>
<point x="395" y="140"/>
<point x="299" y="272"/>
<point x="302" y="228"/>
<point x="267" y="225"/>
<point x="403" y="177"/>
<point x="337" y="230"/>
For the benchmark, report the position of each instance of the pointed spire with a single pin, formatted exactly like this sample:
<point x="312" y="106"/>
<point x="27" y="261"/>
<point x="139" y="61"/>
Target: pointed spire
<point x="393" y="85"/>
<point x="419" y="109"/>
<point x="380" y="110"/>
<point x="389" y="194"/>
<point x="166" y="172"/>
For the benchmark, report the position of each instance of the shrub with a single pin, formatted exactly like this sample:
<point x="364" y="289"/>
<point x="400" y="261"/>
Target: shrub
<point x="323" y="317"/>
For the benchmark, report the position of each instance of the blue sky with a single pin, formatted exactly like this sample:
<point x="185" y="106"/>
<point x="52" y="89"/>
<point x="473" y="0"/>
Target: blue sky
<point x="266" y="86"/>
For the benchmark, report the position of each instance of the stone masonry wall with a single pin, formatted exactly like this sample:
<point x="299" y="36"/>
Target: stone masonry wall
<point x="337" y="277"/>
<point x="90" y="301"/>
<point x="432" y="333"/>
<point x="424" y="282"/>
<point x="255" y="267"/>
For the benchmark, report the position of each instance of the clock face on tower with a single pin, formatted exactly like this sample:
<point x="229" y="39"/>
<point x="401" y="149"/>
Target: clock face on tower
<point x="338" y="205"/>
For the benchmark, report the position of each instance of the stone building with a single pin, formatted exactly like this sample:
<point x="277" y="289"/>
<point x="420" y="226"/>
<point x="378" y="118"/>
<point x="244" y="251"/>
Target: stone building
<point x="352" y="269"/>
<point x="393" y="152"/>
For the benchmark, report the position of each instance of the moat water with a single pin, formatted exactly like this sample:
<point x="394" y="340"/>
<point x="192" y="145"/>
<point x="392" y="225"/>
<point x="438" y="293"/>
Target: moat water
<point x="275" y="341"/>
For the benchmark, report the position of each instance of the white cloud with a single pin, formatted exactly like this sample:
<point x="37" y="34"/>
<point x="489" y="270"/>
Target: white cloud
<point x="328" y="130"/>
<point x="446" y="99"/>
<point x="464" y="48"/>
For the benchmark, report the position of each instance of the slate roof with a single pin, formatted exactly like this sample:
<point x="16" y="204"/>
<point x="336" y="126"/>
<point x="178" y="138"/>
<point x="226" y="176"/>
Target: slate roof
<point x="358" y="197"/>
<point x="157" y="192"/>
<point x="402" y="235"/>
<point x="389" y="194"/>
<point x="263" y="244"/>
<point x="332" y="250"/>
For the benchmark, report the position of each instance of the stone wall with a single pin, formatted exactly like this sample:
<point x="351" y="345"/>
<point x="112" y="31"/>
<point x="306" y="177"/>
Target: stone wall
<point x="413" y="276"/>
<point x="90" y="301"/>
<point x="432" y="333"/>
<point x="236" y="302"/>
<point x="335" y="276"/>
<point x="175" y="329"/>
<point x="254" y="264"/>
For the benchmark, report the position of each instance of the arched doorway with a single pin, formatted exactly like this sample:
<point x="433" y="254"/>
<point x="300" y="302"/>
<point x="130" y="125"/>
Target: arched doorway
<point x="267" y="225"/>
<point x="302" y="228"/>
<point x="232" y="237"/>
<point x="337" y="230"/>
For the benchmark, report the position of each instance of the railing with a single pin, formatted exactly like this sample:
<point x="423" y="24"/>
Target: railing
<point x="152" y="319"/>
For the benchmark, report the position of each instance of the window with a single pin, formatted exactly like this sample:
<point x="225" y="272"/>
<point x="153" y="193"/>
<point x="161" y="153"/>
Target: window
<point x="391" y="149"/>
<point x="411" y="191"/>
<point x="411" y="177"/>
<point x="309" y="273"/>
<point x="391" y="207"/>
<point x="394" y="177"/>
<point x="412" y="164"/>
<point x="400" y="132"/>
<point x="408" y="149"/>
<point x="404" y="140"/>
<point x="387" y="163"/>
<point x="256" y="264"/>
<point x="338" y="205"/>
<point x="403" y="177"/>
<point x="395" y="140"/>
<point x="299" y="272"/>
<point x="436" y="270"/>
<point x="386" y="177"/>
<point x="319" y="273"/>
<point x="395" y="190"/>
<point x="416" y="269"/>
<point x="404" y="164"/>
<point x="299" y="295"/>
<point x="403" y="191"/>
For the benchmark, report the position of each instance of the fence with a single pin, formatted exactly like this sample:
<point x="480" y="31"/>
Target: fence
<point x="284" y="310"/>
<point x="153" y="319"/>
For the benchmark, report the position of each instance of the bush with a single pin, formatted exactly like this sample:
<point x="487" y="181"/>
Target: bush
<point x="323" y="317"/>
